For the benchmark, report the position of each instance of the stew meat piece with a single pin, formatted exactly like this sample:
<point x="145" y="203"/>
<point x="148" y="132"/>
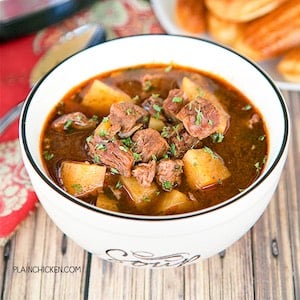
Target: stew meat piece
<point x="76" y="120"/>
<point x="175" y="101"/>
<point x="149" y="144"/>
<point x="111" y="153"/>
<point x="145" y="173"/>
<point x="183" y="142"/>
<point x="168" y="173"/>
<point x="129" y="117"/>
<point x="153" y="105"/>
<point x="200" y="118"/>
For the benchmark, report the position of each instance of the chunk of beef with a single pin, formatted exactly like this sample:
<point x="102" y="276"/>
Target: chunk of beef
<point x="129" y="117"/>
<point x="149" y="143"/>
<point x="154" y="83"/>
<point x="179" y="139"/>
<point x="144" y="173"/>
<point x="153" y="105"/>
<point x="200" y="118"/>
<point x="75" y="120"/>
<point x="111" y="153"/>
<point x="168" y="173"/>
<point x="183" y="142"/>
<point x="175" y="101"/>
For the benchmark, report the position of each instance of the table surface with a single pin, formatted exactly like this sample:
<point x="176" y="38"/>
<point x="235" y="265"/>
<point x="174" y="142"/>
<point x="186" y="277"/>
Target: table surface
<point x="263" y="264"/>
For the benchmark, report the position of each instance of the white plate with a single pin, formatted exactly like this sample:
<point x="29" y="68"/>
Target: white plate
<point x="164" y="11"/>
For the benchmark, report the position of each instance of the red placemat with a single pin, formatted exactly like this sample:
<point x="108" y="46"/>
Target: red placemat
<point x="17" y="58"/>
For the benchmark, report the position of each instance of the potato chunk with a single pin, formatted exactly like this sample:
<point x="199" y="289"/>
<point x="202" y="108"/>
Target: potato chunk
<point x="174" y="202"/>
<point x="194" y="90"/>
<point x="103" y="201"/>
<point x="141" y="195"/>
<point x="100" y="96"/>
<point x="81" y="179"/>
<point x="156" y="124"/>
<point x="203" y="168"/>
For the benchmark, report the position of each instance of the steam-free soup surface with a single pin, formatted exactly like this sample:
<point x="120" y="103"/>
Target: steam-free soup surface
<point x="154" y="140"/>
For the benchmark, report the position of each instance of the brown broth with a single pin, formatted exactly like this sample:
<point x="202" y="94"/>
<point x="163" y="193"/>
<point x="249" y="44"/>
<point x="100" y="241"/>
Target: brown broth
<point x="243" y="149"/>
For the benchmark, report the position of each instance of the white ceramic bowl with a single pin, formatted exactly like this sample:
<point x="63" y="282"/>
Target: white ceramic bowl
<point x="144" y="241"/>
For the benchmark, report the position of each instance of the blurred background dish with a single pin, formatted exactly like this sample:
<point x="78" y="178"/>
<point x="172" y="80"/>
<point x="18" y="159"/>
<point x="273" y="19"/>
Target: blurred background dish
<point x="165" y="11"/>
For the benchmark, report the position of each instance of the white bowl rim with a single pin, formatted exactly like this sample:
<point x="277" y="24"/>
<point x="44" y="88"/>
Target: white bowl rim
<point x="196" y="213"/>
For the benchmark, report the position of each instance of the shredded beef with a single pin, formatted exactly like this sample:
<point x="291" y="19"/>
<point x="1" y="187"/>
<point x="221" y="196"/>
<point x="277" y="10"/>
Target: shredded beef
<point x="129" y="117"/>
<point x="75" y="120"/>
<point x="144" y="173"/>
<point x="112" y="153"/>
<point x="168" y="173"/>
<point x="200" y="118"/>
<point x="149" y="143"/>
<point x="173" y="103"/>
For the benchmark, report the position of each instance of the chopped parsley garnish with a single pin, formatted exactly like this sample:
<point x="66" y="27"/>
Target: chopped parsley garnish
<point x="136" y="156"/>
<point x="177" y="99"/>
<point x="101" y="147"/>
<point x="209" y="151"/>
<point x="154" y="157"/>
<point x="114" y="171"/>
<point x="155" y="96"/>
<point x="257" y="166"/>
<point x="148" y="85"/>
<point x="217" y="137"/>
<point x="200" y="92"/>
<point x="167" y="185"/>
<point x="96" y="159"/>
<point x="199" y="116"/>
<point x="168" y="68"/>
<point x="102" y="133"/>
<point x="95" y="118"/>
<point x="173" y="149"/>
<point x="119" y="185"/>
<point x="68" y="124"/>
<point x="47" y="155"/>
<point x="146" y="198"/>
<point x="158" y="109"/>
<point x="247" y="107"/>
<point x="105" y="119"/>
<point x="127" y="142"/>
<point x="136" y="98"/>
<point x="261" y="137"/>
<point x="77" y="187"/>
<point x="165" y="131"/>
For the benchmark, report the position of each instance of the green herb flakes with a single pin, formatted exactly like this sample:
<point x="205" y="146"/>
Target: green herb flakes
<point x="167" y="185"/>
<point x="177" y="99"/>
<point x="47" y="155"/>
<point x="77" y="187"/>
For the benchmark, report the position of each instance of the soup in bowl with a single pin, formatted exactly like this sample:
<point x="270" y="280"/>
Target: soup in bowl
<point x="155" y="150"/>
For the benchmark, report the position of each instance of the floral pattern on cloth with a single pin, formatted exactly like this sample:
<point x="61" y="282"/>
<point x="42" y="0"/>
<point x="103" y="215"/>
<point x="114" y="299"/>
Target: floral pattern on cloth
<point x="17" y="197"/>
<point x="120" y="18"/>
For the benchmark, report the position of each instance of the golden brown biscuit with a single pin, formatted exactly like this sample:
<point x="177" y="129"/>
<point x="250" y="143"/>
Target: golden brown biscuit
<point x="242" y="10"/>
<point x="190" y="15"/>
<point x="272" y="34"/>
<point x="289" y="65"/>
<point x="222" y="30"/>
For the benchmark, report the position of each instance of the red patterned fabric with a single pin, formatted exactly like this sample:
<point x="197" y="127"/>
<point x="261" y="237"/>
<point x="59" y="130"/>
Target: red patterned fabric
<point x="17" y="58"/>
